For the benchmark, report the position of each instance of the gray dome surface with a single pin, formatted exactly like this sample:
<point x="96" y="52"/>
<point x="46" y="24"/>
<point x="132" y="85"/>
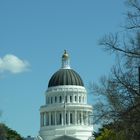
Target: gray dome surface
<point x="65" y="77"/>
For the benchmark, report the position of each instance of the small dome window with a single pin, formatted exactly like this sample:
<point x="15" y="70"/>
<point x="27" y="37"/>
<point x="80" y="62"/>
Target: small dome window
<point x="51" y="100"/>
<point x="75" y="98"/>
<point x="71" y="118"/>
<point x="79" y="99"/>
<point x="55" y="99"/>
<point x="60" y="99"/>
<point x="70" y="98"/>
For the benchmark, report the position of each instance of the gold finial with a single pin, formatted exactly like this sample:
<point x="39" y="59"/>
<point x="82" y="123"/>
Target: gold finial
<point x="65" y="51"/>
<point x="65" y="55"/>
<point x="65" y="60"/>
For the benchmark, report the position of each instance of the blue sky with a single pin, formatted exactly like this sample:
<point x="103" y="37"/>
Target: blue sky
<point x="33" y="36"/>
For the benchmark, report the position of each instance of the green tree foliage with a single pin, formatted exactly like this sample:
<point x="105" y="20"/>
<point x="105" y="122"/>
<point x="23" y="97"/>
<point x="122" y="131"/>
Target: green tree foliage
<point x="3" y="133"/>
<point x="120" y="91"/>
<point x="106" y="134"/>
<point x="8" y="134"/>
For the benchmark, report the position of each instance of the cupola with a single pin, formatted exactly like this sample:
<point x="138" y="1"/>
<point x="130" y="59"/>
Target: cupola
<point x="65" y="75"/>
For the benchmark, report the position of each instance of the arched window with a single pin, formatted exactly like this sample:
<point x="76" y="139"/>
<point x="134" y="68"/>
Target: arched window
<point x="60" y="99"/>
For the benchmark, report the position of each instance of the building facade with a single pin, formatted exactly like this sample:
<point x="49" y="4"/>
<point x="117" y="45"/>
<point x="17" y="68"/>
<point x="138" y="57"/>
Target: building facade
<point x="66" y="112"/>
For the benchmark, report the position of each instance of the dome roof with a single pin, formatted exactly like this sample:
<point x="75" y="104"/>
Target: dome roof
<point x="65" y="77"/>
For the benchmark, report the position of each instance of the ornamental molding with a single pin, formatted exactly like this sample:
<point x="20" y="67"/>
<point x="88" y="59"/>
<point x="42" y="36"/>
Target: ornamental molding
<point x="79" y="127"/>
<point x="69" y="107"/>
<point x="66" y="88"/>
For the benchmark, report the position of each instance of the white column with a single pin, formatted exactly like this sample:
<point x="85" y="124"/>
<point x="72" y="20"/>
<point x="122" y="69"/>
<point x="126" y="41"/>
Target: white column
<point x="82" y="117"/>
<point x="62" y="118"/>
<point x="41" y="120"/>
<point x="75" y="117"/>
<point x="68" y="98"/>
<point x="55" y="122"/>
<point x="89" y="117"/>
<point x="73" y="98"/>
<point x="63" y="99"/>
<point x="68" y="118"/>
<point x="44" y="118"/>
<point x="49" y="118"/>
<point x="86" y="118"/>
<point x="77" y="98"/>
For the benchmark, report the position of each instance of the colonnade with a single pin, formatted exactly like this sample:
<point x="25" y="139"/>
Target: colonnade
<point x="65" y="118"/>
<point x="67" y="98"/>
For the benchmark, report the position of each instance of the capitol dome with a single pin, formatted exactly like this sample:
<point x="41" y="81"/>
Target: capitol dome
<point x="65" y="77"/>
<point x="65" y="114"/>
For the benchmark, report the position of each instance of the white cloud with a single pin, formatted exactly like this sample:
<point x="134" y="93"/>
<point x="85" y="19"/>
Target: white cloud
<point x="13" y="64"/>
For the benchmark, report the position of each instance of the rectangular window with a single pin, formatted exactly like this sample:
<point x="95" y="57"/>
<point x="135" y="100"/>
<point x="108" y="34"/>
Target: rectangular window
<point x="51" y="100"/>
<point x="75" y="98"/>
<point x="55" y="99"/>
<point x="70" y="98"/>
<point x="70" y="118"/>
<point x="66" y="118"/>
<point x="60" y="118"/>
<point x="79" y="99"/>
<point x="60" y="99"/>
